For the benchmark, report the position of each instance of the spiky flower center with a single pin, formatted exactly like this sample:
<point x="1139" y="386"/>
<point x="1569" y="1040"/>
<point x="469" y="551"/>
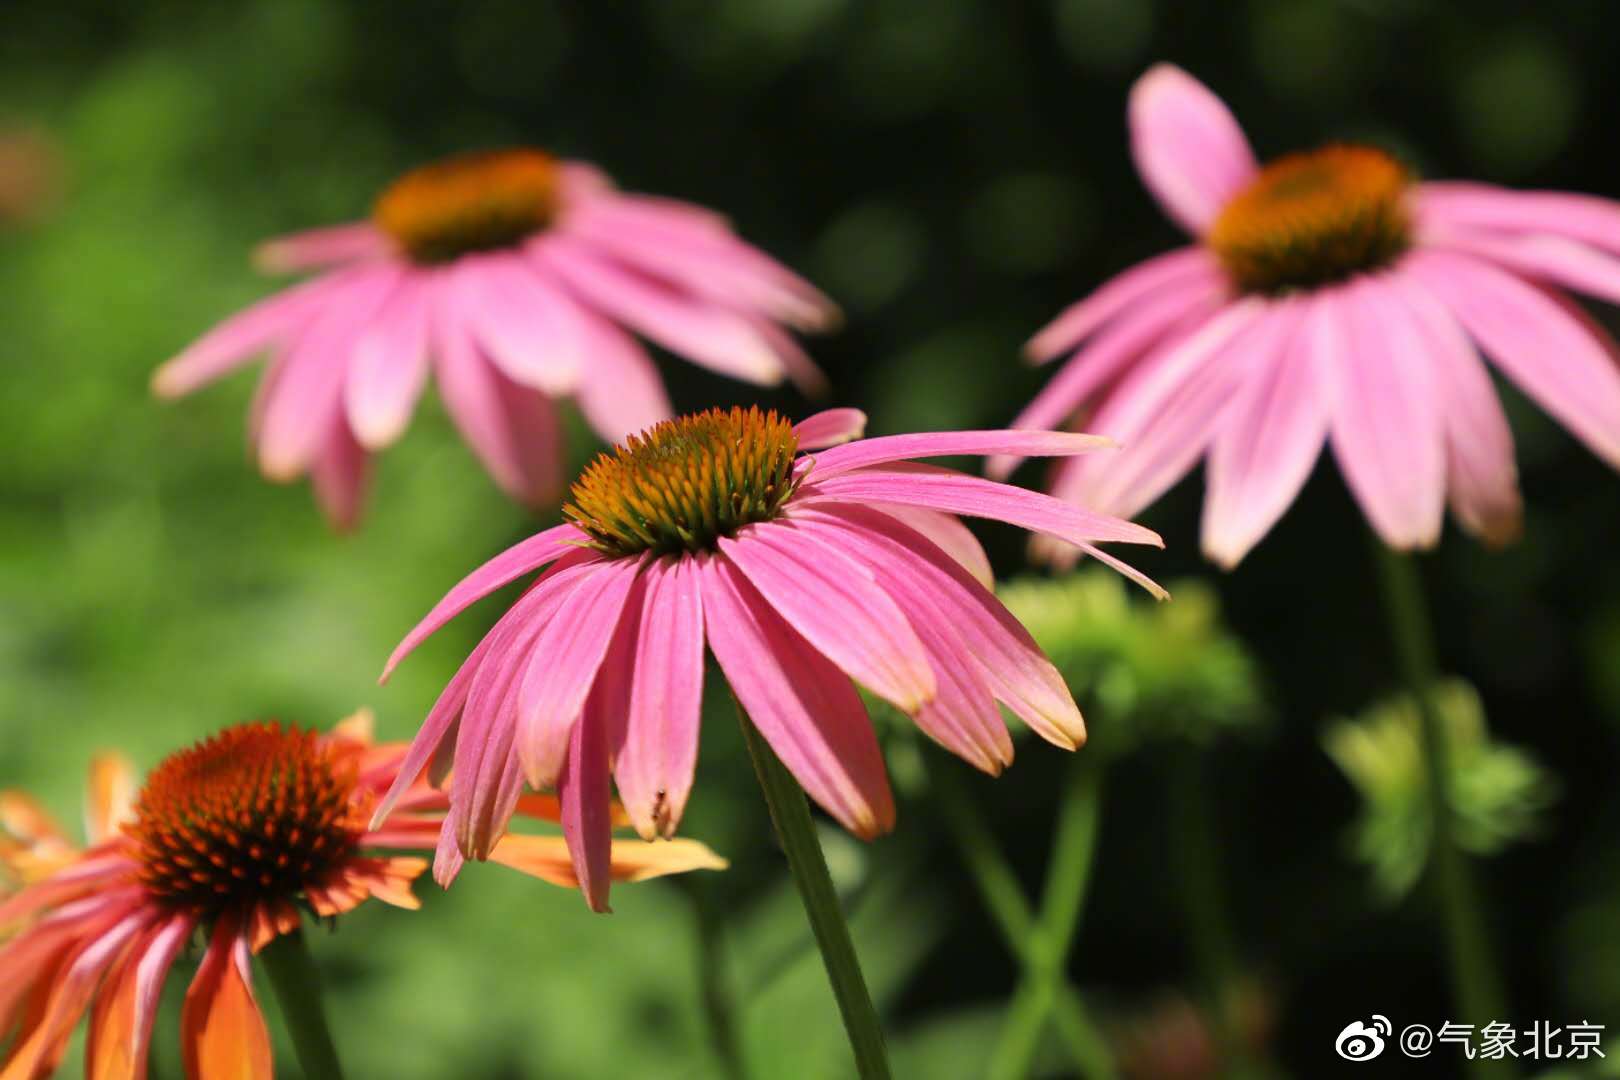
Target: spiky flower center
<point x="254" y="813"/>
<point x="683" y="484"/>
<point x="1313" y="218"/>
<point x="472" y="202"/>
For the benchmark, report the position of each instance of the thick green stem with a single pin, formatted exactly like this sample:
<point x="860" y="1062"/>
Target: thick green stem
<point x="1046" y="946"/>
<point x="790" y="813"/>
<point x="715" y="983"/>
<point x="1476" y="983"/>
<point x="1004" y="898"/>
<point x="1198" y="879"/>
<point x="297" y="985"/>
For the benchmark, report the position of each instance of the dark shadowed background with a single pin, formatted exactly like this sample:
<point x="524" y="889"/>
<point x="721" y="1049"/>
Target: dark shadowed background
<point x="953" y="174"/>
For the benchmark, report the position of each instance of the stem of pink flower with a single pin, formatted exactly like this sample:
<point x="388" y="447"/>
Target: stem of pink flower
<point x="1475" y="980"/>
<point x="297" y="986"/>
<point x="1046" y="946"/>
<point x="790" y="813"/>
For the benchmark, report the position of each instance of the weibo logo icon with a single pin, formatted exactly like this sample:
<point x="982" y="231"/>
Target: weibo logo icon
<point x="1361" y="1041"/>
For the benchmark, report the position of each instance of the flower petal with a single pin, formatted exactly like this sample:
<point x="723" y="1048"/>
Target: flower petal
<point x="109" y="800"/>
<point x="1188" y="147"/>
<point x="1587" y="218"/>
<point x="314" y="249"/>
<point x="339" y="475"/>
<point x="529" y="329"/>
<point x="803" y="706"/>
<point x="586" y="820"/>
<point x="1184" y="271"/>
<point x="222" y="1031"/>
<point x="837" y="608"/>
<point x="121" y="1025"/>
<point x="547" y="858"/>
<point x="949" y="534"/>
<point x="620" y="392"/>
<point x="829" y="428"/>
<point x="389" y="367"/>
<point x="887" y="448"/>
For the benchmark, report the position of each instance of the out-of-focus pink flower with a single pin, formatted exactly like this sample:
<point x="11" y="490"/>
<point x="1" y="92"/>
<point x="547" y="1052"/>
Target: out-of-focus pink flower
<point x="516" y="279"/>
<point x="227" y="839"/>
<point x="1329" y="298"/>
<point x="803" y="575"/>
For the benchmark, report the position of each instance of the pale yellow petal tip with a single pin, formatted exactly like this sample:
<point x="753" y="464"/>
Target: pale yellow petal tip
<point x="359" y="726"/>
<point x="165" y="385"/>
<point x="110" y="795"/>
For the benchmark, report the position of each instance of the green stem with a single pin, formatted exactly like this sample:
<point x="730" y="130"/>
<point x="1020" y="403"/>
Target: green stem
<point x="790" y="813"/>
<point x="297" y="985"/>
<point x="1198" y="877"/>
<point x="718" y="1002"/>
<point x="1004" y="898"/>
<point x="1046" y="949"/>
<point x="1475" y="980"/>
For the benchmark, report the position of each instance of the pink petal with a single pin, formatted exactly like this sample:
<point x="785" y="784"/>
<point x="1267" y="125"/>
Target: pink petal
<point x="339" y="476"/>
<point x="620" y="392"/>
<point x="527" y="326"/>
<point x="1587" y="218"/>
<point x="803" y="706"/>
<point x="963" y="716"/>
<point x="801" y="371"/>
<point x="390" y="366"/>
<point x="705" y="262"/>
<point x="513" y="429"/>
<point x="1190" y="269"/>
<point x="1152" y="325"/>
<point x="1188" y="147"/>
<point x="308" y="386"/>
<point x="143" y="972"/>
<point x="686" y="325"/>
<point x="314" y="249"/>
<point x="659" y="755"/>
<point x="1270" y="439"/>
<point x="1166" y="410"/>
<point x="949" y="535"/>
<point x="566" y="658"/>
<point x="829" y="428"/>
<point x="1481" y="475"/>
<point x="887" y="448"/>
<point x="1386" y="429"/>
<point x="1563" y="361"/>
<point x="586" y="818"/>
<point x="235" y="341"/>
<point x="906" y="484"/>
<point x="1554" y="260"/>
<point x="999" y="647"/>
<point x="837" y="608"/>
<point x="519" y="559"/>
<point x="37" y="1049"/>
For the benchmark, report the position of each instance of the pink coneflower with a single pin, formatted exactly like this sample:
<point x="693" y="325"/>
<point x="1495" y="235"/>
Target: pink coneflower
<point x="514" y="276"/>
<point x="1330" y="297"/>
<point x="230" y="838"/>
<point x="801" y="573"/>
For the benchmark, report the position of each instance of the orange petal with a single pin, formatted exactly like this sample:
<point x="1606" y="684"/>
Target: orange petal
<point x="546" y="857"/>
<point x="359" y="726"/>
<point x="45" y="1035"/>
<point x="121" y="1025"/>
<point x="109" y="801"/>
<point x="26" y="819"/>
<point x="222" y="1032"/>
<point x="546" y="807"/>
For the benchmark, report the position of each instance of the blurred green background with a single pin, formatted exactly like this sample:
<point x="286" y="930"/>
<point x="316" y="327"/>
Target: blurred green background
<point x="952" y="174"/>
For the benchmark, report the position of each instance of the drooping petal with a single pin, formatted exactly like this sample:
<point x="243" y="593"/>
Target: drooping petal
<point x="805" y="708"/>
<point x="620" y="391"/>
<point x="1012" y="665"/>
<point x="1590" y="219"/>
<point x="1559" y="358"/>
<point x="1386" y="430"/>
<point x="390" y="366"/>
<point x="40" y="1044"/>
<point x="121" y="1025"/>
<point x="222" y="1031"/>
<point x="1481" y="474"/>
<point x="1188" y="147"/>
<point x="1270" y="440"/>
<point x="829" y="428"/>
<point x="583" y="790"/>
<point x="658" y="758"/>
<point x="566" y="657"/>
<point x="513" y="429"/>
<point x="314" y="249"/>
<point x="1189" y="270"/>
<point x="949" y="534"/>
<point x="1155" y="324"/>
<point x="887" y="448"/>
<point x="529" y="329"/>
<point x="519" y="559"/>
<point x="687" y="325"/>
<point x="339" y="475"/>
<point x="1553" y="260"/>
<point x="837" y="609"/>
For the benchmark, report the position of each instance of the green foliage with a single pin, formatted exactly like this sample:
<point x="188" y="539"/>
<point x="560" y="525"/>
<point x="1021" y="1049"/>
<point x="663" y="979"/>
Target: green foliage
<point x="1144" y="671"/>
<point x="1501" y="792"/>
